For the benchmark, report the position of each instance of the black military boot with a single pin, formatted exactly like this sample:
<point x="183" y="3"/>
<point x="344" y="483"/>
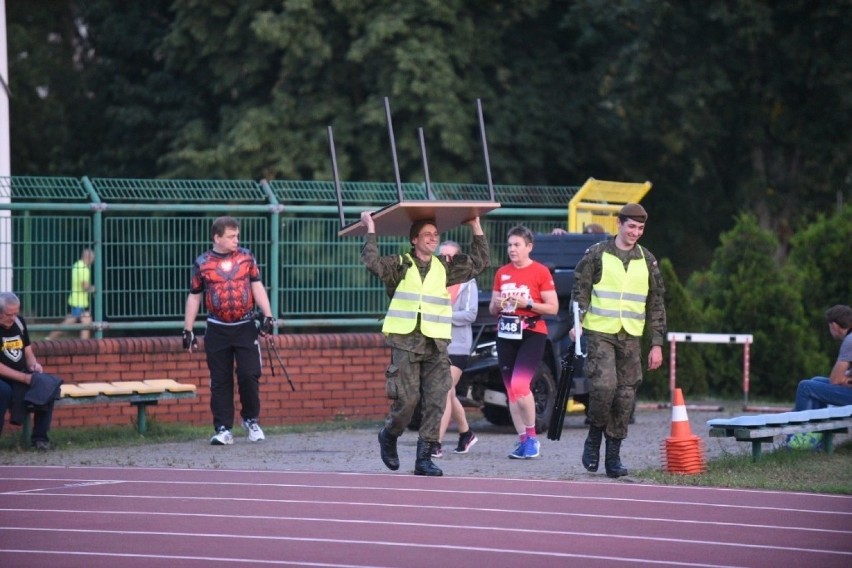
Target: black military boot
<point x="612" y="460"/>
<point x="592" y="449"/>
<point x="387" y="445"/>
<point x="424" y="465"/>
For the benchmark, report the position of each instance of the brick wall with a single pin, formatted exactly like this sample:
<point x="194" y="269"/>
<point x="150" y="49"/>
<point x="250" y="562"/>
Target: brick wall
<point x="337" y="376"/>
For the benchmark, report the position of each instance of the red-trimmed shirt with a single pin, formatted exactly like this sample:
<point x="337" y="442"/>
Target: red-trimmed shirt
<point x="226" y="282"/>
<point x="526" y="283"/>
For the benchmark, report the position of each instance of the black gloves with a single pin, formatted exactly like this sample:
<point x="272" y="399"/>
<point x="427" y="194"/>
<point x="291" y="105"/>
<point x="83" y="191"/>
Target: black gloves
<point x="189" y="340"/>
<point x="267" y="325"/>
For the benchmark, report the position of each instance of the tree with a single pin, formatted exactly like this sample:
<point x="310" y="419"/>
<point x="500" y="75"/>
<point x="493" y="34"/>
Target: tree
<point x="682" y="315"/>
<point x="724" y="105"/>
<point x="134" y="106"/>
<point x="332" y="63"/>
<point x="819" y="262"/>
<point x="745" y="291"/>
<point x="46" y="88"/>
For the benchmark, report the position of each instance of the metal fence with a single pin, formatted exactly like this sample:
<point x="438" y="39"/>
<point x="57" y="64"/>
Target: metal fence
<point x="146" y="234"/>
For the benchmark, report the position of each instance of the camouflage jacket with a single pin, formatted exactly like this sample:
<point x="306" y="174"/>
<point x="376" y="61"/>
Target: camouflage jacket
<point x="391" y="271"/>
<point x="588" y="273"/>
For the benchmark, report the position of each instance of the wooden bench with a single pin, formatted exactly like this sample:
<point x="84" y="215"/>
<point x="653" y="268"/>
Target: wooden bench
<point x="140" y="394"/>
<point x="762" y="428"/>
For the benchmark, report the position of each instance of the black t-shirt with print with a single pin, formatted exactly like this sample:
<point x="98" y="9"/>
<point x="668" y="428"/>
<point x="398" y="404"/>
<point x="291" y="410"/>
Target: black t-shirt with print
<point x="14" y="340"/>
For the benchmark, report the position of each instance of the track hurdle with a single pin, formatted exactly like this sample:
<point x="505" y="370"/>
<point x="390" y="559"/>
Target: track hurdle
<point x="744" y="339"/>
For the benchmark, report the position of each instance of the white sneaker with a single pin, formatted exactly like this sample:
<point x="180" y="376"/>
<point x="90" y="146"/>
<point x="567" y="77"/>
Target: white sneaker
<point x="222" y="438"/>
<point x="255" y="434"/>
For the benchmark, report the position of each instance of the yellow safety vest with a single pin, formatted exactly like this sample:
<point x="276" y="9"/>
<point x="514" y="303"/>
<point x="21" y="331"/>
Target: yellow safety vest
<point x="80" y="273"/>
<point x="427" y="298"/>
<point x="618" y="300"/>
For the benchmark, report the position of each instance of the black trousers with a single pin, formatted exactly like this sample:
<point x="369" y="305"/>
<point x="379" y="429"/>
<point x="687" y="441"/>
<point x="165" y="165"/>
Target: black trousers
<point x="42" y="415"/>
<point x="227" y="346"/>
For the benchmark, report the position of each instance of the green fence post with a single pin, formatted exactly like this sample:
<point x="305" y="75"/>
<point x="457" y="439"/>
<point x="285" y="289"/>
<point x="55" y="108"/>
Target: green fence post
<point x="274" y="247"/>
<point x="97" y="244"/>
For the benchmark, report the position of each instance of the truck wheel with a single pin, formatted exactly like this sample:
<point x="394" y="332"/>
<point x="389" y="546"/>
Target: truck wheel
<point x="544" y="392"/>
<point x="497" y="415"/>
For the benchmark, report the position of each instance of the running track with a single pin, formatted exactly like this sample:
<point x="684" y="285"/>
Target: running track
<point x="143" y="517"/>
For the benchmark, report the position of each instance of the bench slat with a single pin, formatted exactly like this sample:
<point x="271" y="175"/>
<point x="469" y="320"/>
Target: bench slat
<point x="107" y="389"/>
<point x="840" y="411"/>
<point x="75" y="391"/>
<point x="170" y="385"/>
<point x="140" y="387"/>
<point x="746" y="421"/>
<point x="781" y="418"/>
<point x="121" y="388"/>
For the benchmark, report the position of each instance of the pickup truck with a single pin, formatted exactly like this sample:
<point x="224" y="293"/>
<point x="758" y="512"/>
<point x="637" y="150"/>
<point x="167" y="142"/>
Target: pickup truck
<point x="481" y="384"/>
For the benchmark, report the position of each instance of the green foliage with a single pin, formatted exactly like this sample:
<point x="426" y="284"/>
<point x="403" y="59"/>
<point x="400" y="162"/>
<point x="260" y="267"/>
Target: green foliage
<point x="729" y="108"/>
<point x="726" y="106"/>
<point x="135" y="105"/>
<point x="682" y="316"/>
<point x="746" y="292"/>
<point x="819" y="261"/>
<point x="723" y="106"/>
<point x="46" y="90"/>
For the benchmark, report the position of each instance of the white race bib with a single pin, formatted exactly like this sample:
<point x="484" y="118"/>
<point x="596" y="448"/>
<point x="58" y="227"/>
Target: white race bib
<point x="509" y="327"/>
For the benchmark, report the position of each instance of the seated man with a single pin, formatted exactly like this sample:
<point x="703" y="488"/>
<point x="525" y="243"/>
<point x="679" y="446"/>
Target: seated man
<point x="836" y="389"/>
<point x="17" y="365"/>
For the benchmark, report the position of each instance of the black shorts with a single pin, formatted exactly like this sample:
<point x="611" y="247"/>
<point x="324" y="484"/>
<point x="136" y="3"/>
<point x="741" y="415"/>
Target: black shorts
<point x="459" y="361"/>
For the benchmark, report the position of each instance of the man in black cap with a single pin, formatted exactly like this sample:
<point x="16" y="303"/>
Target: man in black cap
<point x="620" y="290"/>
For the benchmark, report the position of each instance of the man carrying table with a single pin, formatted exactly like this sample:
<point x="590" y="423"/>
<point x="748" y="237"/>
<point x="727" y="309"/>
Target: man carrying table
<point x="418" y="329"/>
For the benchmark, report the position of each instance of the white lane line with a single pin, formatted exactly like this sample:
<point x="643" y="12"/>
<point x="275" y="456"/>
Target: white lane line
<point x="64" y="486"/>
<point x="608" y="485"/>
<point x="417" y="506"/>
<point x="240" y="561"/>
<point x="845" y="512"/>
<point x="405" y="545"/>
<point x="485" y="528"/>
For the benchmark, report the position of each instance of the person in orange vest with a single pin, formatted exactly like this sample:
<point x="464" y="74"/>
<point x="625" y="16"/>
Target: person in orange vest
<point x="418" y="329"/>
<point x="620" y="291"/>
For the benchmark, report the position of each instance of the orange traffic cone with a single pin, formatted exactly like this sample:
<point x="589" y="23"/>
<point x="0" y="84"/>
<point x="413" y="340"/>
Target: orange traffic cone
<point x="683" y="450"/>
<point x="680" y="421"/>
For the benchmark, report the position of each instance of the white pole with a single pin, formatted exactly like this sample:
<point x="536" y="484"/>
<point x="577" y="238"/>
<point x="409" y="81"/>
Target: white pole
<point x="5" y="161"/>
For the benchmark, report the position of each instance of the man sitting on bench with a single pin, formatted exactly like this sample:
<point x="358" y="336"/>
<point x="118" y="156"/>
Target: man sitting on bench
<point x="17" y="365"/>
<point x="836" y="389"/>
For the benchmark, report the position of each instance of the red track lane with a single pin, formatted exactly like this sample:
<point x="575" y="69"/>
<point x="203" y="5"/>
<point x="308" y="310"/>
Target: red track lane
<point x="93" y="517"/>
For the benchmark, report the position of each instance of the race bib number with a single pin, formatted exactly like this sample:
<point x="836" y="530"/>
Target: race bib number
<point x="509" y="327"/>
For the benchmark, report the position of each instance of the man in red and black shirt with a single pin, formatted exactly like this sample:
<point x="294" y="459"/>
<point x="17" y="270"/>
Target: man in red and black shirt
<point x="229" y="278"/>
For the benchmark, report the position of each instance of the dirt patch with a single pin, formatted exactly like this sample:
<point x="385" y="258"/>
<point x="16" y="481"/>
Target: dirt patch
<point x="357" y="451"/>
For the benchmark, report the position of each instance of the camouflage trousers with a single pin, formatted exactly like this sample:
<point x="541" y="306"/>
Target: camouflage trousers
<point x="417" y="377"/>
<point x="614" y="369"/>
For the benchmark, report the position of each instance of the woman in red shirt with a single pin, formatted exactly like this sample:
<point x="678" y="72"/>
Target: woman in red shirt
<point x="523" y="291"/>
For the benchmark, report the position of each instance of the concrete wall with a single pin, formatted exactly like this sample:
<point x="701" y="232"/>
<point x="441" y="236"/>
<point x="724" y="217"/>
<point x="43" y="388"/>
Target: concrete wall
<point x="337" y="377"/>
